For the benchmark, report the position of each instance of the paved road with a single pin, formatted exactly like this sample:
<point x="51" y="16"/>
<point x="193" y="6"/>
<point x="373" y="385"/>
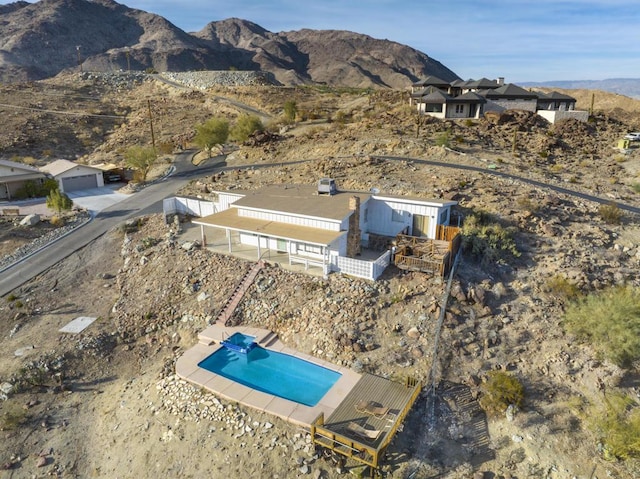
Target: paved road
<point x="539" y="184"/>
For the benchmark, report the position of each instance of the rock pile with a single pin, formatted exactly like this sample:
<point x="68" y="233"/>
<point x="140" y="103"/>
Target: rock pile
<point x="208" y="79"/>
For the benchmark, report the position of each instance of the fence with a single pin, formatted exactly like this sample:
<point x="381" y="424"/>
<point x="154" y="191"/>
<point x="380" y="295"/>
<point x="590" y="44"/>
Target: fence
<point x="188" y="206"/>
<point x="362" y="269"/>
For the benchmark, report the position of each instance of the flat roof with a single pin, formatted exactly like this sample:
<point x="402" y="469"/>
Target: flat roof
<point x="301" y="200"/>
<point x="414" y="199"/>
<point x="229" y="219"/>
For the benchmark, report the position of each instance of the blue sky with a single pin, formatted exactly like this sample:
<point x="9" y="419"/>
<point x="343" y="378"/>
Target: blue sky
<point x="521" y="40"/>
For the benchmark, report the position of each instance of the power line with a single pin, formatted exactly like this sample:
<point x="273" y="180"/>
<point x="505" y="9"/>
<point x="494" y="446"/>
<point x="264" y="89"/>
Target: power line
<point x="58" y="112"/>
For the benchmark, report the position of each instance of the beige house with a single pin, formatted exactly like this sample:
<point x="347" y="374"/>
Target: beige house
<point x="14" y="176"/>
<point x="73" y="176"/>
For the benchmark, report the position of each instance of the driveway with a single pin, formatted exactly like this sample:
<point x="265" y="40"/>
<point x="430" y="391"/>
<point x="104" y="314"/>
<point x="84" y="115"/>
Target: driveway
<point x="97" y="199"/>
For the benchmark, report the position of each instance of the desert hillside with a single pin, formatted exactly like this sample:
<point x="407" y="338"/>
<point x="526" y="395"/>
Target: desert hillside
<point x="107" y="403"/>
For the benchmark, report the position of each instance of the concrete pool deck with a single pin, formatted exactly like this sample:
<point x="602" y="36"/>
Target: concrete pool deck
<point x="187" y="368"/>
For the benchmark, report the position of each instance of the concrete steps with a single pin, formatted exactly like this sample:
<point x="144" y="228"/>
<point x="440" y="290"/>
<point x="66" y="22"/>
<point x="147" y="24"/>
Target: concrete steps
<point x="238" y="293"/>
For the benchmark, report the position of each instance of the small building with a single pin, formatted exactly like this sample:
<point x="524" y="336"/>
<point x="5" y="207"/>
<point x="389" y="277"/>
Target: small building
<point x="325" y="231"/>
<point x="15" y="176"/>
<point x="73" y="176"/>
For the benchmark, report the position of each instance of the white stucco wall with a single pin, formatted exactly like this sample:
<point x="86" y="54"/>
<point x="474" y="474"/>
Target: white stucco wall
<point x="553" y="116"/>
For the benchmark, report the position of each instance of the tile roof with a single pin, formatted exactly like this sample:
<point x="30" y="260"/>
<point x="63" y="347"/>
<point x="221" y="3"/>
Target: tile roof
<point x="509" y="91"/>
<point x="431" y="80"/>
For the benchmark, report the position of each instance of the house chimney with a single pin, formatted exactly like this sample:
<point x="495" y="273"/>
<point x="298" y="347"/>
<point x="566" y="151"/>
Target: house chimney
<point x="354" y="235"/>
<point x="500" y="81"/>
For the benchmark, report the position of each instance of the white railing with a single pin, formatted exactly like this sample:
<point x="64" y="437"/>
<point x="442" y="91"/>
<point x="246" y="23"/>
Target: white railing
<point x="360" y="268"/>
<point x="188" y="206"/>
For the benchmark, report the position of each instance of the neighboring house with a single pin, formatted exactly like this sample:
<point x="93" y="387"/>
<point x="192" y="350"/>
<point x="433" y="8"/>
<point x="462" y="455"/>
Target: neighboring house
<point x="556" y="106"/>
<point x="14" y="176"/>
<point x="73" y="176"/>
<point x="326" y="231"/>
<point x="472" y="98"/>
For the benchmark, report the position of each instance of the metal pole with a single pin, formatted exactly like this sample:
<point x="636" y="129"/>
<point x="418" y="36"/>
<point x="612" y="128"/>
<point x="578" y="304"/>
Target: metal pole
<point x="153" y="136"/>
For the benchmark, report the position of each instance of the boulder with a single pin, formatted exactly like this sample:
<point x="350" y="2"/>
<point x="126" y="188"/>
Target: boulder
<point x="30" y="220"/>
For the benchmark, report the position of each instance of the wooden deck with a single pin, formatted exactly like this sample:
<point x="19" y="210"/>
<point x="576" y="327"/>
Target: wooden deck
<point x="333" y="433"/>
<point x="433" y="256"/>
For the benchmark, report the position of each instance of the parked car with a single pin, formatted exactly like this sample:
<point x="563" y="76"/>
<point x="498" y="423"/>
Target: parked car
<point x="112" y="178"/>
<point x="635" y="136"/>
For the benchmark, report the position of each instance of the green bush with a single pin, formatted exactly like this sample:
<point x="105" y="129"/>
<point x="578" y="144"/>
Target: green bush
<point x="610" y="321"/>
<point x="13" y="417"/>
<point x="444" y="139"/>
<point x="616" y="423"/>
<point x="562" y="288"/>
<point x="486" y="240"/>
<point x="610" y="213"/>
<point x="246" y="126"/>
<point x="500" y="391"/>
<point x="635" y="187"/>
<point x="59" y="201"/>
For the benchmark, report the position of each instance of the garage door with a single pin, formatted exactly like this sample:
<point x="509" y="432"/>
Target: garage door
<point x="75" y="183"/>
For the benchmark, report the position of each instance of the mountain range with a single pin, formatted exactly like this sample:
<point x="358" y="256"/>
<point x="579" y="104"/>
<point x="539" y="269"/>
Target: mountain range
<point x="622" y="86"/>
<point x="40" y="40"/>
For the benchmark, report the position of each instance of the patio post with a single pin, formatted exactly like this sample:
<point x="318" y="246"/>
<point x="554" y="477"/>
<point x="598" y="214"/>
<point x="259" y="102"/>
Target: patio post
<point x="228" y="238"/>
<point x="204" y="238"/>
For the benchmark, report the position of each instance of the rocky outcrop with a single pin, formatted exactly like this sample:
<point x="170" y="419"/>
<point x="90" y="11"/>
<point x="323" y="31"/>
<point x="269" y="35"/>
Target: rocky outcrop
<point x="42" y="39"/>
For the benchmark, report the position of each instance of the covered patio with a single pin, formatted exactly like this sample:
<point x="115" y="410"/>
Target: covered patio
<point x="254" y="239"/>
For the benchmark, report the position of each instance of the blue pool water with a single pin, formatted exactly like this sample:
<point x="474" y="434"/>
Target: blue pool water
<point x="272" y="372"/>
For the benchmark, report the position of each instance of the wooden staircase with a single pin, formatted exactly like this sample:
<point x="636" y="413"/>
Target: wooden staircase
<point x="238" y="293"/>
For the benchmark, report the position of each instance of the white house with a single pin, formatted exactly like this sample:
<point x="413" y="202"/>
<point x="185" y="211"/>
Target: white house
<point x="73" y="176"/>
<point x="321" y="230"/>
<point x="14" y="176"/>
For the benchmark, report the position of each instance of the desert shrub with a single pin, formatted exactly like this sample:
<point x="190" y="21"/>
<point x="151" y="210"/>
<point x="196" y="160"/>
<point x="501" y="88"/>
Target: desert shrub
<point x="543" y="154"/>
<point x="526" y="204"/>
<point x="13" y="417"/>
<point x="635" y="187"/>
<point x="56" y="221"/>
<point x="11" y="297"/>
<point x="290" y="110"/>
<point x="486" y="240"/>
<point x="616" y="423"/>
<point x="58" y="201"/>
<point x="610" y="213"/>
<point x="610" y="322"/>
<point x="562" y="288"/>
<point x="212" y="132"/>
<point x="141" y="159"/>
<point x="165" y="148"/>
<point x="444" y="139"/>
<point x="500" y="391"/>
<point x="469" y="122"/>
<point x="557" y="168"/>
<point x="620" y="158"/>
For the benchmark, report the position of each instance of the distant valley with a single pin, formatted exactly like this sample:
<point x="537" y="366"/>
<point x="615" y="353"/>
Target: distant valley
<point x="622" y="86"/>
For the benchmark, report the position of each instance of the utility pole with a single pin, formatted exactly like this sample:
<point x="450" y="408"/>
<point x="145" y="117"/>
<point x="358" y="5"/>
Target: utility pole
<point x="127" y="52"/>
<point x="78" y="55"/>
<point x="153" y="137"/>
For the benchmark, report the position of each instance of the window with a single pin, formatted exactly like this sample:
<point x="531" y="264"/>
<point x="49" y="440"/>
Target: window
<point x="459" y="109"/>
<point x="396" y="215"/>
<point x="433" y="108"/>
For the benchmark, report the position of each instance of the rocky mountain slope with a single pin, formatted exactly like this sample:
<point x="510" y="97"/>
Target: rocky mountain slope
<point x="40" y="40"/>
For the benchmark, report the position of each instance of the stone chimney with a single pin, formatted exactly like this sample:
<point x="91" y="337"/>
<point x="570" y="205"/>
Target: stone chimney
<point x="354" y="235"/>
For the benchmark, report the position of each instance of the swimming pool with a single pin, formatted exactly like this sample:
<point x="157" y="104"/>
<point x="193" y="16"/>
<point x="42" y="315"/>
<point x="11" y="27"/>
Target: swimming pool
<point x="272" y="372"/>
